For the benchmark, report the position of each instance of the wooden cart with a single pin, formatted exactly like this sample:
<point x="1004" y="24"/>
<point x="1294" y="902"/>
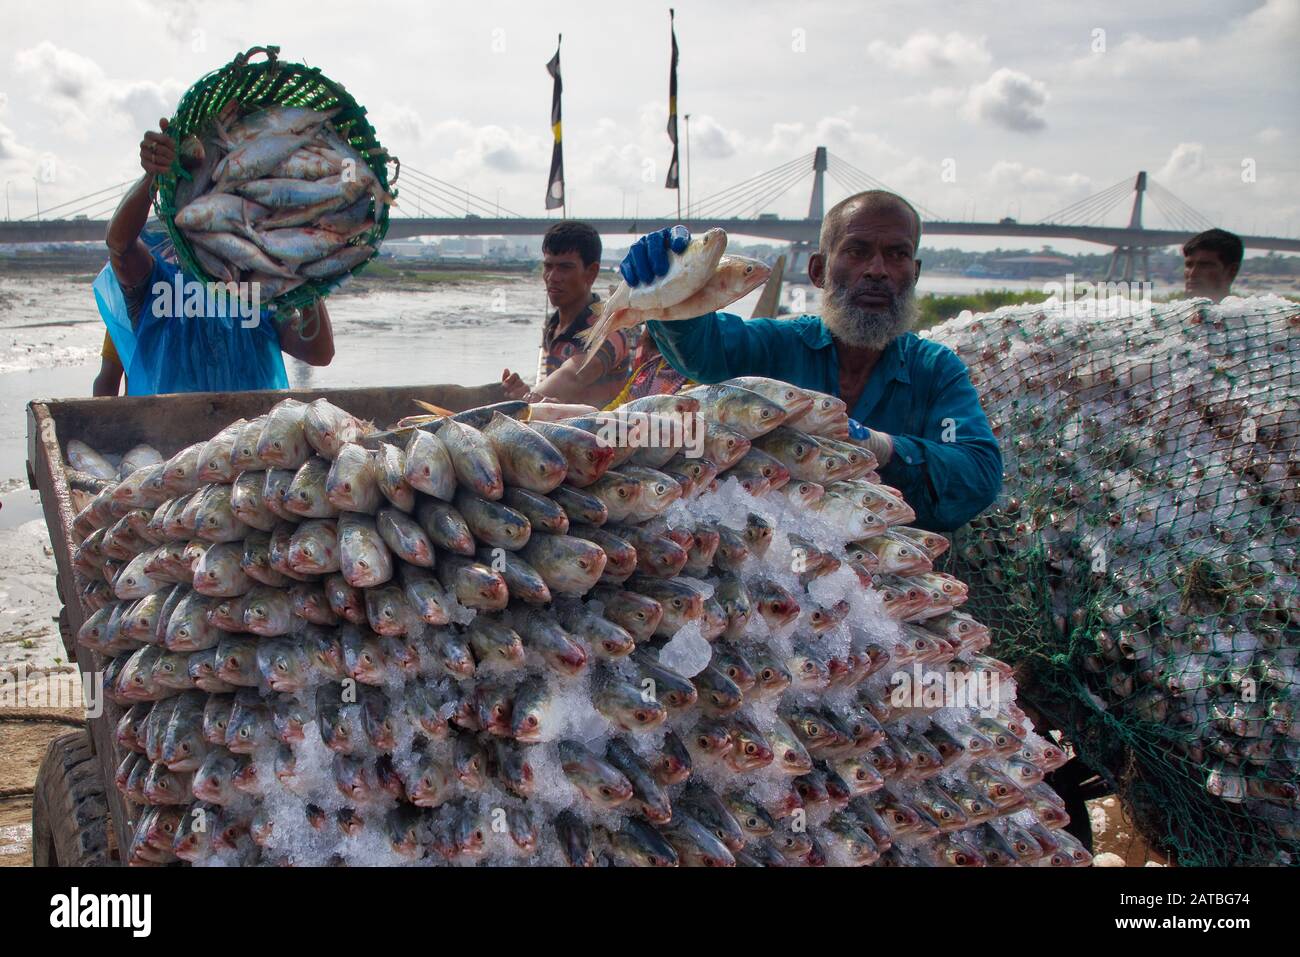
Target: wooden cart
<point x="78" y="817"/>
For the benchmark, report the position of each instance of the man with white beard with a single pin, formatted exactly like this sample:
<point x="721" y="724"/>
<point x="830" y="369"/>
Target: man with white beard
<point x="909" y="400"/>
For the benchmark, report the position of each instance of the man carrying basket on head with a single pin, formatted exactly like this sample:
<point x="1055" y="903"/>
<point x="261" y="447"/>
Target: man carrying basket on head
<point x="162" y="351"/>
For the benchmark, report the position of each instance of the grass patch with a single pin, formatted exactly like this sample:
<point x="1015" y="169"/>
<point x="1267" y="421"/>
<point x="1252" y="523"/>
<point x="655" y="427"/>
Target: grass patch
<point x="385" y="272"/>
<point x="936" y="309"/>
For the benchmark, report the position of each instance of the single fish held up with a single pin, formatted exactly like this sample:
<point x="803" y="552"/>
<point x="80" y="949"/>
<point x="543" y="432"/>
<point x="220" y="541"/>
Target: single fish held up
<point x="688" y="272"/>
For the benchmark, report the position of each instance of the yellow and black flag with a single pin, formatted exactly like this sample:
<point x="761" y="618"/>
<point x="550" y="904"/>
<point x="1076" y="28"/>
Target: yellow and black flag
<point x="555" y="186"/>
<point x="672" y="182"/>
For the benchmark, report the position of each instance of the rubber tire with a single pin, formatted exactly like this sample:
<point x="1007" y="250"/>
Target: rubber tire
<point x="70" y="818"/>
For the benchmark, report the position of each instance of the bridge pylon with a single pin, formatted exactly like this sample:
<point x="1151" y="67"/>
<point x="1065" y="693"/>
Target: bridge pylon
<point x="1123" y="260"/>
<point x="799" y="253"/>
<point x="816" y="204"/>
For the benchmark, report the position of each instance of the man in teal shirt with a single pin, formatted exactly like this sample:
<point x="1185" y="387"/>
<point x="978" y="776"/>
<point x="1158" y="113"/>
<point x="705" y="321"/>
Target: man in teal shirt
<point x="910" y="400"/>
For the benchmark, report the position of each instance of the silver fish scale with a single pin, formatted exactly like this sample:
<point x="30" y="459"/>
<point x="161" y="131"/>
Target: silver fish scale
<point x="424" y="713"/>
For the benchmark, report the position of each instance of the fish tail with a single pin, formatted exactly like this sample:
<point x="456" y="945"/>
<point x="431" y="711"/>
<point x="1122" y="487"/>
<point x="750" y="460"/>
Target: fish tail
<point x="608" y="312"/>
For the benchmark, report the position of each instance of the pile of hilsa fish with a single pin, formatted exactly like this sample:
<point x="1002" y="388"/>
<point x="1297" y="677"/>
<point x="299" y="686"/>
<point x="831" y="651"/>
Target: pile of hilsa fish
<point x="673" y="633"/>
<point x="1153" y="462"/>
<point x="277" y="197"/>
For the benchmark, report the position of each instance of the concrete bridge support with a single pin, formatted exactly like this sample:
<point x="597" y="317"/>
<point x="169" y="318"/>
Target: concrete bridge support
<point x="1124" y="264"/>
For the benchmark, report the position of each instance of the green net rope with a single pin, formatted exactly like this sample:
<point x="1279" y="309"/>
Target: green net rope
<point x="1140" y="568"/>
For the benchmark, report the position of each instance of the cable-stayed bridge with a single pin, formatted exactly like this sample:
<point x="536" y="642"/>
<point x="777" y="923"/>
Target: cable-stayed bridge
<point x="429" y="206"/>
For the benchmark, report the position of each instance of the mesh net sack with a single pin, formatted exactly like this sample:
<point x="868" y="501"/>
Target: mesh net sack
<point x="1140" y="567"/>
<point x="258" y="85"/>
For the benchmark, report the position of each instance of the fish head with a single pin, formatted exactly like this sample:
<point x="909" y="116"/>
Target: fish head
<point x="740" y="275"/>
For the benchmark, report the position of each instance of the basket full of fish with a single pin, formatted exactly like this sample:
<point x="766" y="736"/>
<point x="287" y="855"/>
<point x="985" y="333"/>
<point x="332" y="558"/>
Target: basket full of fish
<point x="279" y="179"/>
<point x="694" y="630"/>
<point x="1142" y="562"/>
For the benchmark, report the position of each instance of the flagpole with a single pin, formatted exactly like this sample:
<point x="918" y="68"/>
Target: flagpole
<point x="564" y="207"/>
<point x="688" y="166"/>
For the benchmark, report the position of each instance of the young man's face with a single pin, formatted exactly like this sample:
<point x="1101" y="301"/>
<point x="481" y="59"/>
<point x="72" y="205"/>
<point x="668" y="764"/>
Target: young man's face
<point x="1205" y="274"/>
<point x="568" y="281"/>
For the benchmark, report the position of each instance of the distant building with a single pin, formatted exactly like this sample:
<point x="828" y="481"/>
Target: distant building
<point x="1025" y="267"/>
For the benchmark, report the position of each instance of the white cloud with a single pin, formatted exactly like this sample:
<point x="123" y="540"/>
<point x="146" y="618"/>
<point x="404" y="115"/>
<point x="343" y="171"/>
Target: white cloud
<point x="711" y="140"/>
<point x="13" y="152"/>
<point x="1186" y="161"/>
<point x="1269" y="134"/>
<point x="77" y="92"/>
<point x="923" y="52"/>
<point x="940" y="98"/>
<point x="1010" y="99"/>
<point x="1139" y="55"/>
<point x="178" y="16"/>
<point x="1015" y="178"/>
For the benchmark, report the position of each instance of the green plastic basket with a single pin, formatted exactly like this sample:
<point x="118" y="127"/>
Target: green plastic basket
<point x="273" y="82"/>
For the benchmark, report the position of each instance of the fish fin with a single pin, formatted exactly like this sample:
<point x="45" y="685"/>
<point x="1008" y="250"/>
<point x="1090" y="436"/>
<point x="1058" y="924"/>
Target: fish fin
<point x="610" y="310"/>
<point x="430" y="407"/>
<point x="223" y="136"/>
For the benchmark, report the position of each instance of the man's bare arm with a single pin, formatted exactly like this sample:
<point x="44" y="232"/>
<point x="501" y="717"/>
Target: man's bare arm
<point x="127" y="254"/>
<point x="109" y="379"/>
<point x="571" y="383"/>
<point x="309" y="335"/>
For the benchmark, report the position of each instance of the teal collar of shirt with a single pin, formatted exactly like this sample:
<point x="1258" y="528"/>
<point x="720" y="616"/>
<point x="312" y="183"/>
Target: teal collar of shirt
<point x="893" y="361"/>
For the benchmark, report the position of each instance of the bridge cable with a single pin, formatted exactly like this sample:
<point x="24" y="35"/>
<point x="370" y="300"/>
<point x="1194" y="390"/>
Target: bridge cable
<point x="845" y="178"/>
<point x="50" y="209"/>
<point x="1191" y="215"/>
<point x="463" y="197"/>
<point x="725" y="197"/>
<point x="756" y="204"/>
<point x="851" y="171"/>
<point x="1087" y="207"/>
<point x="434" y="203"/>
<point x="454" y="199"/>
<point x="1174" y="216"/>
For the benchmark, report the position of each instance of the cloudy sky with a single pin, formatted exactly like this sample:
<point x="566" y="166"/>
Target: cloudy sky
<point x="975" y="110"/>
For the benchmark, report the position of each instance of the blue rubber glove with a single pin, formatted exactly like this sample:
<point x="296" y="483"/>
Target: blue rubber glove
<point x="647" y="260"/>
<point x="880" y="444"/>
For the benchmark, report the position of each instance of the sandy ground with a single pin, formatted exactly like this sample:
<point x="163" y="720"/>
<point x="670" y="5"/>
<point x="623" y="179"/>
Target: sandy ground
<point x="23" y="740"/>
<point x="1115" y="841"/>
<point x="29" y="605"/>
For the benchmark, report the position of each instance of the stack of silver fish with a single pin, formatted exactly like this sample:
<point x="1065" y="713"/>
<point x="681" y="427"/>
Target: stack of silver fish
<point x="695" y="630"/>
<point x="276" y="197"/>
<point x="1153" y="484"/>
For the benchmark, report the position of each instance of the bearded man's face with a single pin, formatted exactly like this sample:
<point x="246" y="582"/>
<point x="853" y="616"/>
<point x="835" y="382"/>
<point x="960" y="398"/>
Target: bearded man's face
<point x="869" y="281"/>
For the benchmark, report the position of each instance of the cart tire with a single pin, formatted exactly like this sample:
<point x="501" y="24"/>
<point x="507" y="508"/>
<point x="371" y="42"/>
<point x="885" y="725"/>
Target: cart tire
<point x="70" y="820"/>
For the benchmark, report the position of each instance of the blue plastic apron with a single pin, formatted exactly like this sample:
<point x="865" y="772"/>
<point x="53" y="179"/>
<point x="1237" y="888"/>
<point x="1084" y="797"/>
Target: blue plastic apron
<point x="210" y="350"/>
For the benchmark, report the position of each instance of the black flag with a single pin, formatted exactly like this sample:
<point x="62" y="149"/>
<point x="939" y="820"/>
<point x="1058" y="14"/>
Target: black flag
<point x="672" y="182"/>
<point x="555" y="186"/>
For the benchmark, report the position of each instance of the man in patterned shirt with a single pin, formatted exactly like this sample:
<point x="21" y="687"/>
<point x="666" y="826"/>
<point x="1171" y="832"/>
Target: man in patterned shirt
<point x="570" y="264"/>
